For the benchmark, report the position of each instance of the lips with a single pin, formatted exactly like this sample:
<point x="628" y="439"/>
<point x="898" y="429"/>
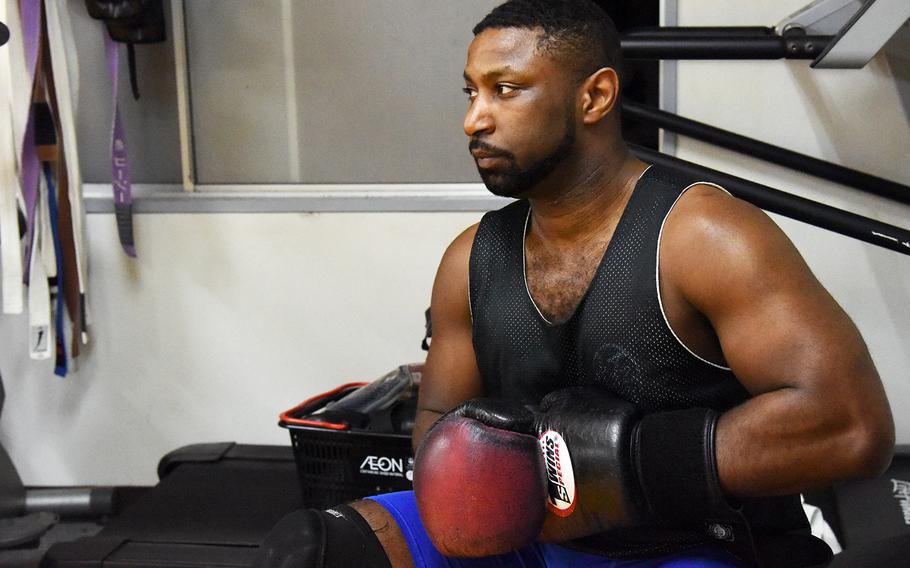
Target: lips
<point x="488" y="162"/>
<point x="487" y="156"/>
<point x="486" y="159"/>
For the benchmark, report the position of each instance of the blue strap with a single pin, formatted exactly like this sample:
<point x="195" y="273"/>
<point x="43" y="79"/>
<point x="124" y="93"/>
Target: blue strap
<point x="60" y="367"/>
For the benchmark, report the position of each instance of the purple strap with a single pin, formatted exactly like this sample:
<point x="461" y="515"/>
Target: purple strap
<point x="31" y="33"/>
<point x="120" y="167"/>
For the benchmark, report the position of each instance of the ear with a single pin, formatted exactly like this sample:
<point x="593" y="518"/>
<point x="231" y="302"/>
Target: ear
<point x="599" y="93"/>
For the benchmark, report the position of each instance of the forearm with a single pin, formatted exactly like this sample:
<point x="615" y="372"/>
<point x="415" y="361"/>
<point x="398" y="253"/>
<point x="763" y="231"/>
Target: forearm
<point x="422" y="422"/>
<point x="791" y="440"/>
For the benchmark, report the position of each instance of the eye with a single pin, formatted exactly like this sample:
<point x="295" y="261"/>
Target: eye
<point x="471" y="92"/>
<point x="506" y="90"/>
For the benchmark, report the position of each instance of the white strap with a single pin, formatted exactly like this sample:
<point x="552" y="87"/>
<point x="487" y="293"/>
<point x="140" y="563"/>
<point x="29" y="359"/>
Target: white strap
<point x="41" y="340"/>
<point x="66" y="83"/>
<point x="22" y="97"/>
<point x="10" y="246"/>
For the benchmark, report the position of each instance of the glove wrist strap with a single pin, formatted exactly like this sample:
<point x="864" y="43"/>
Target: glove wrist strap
<point x="677" y="470"/>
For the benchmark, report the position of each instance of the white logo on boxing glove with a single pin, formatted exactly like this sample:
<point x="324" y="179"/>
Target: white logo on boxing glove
<point x="560" y="476"/>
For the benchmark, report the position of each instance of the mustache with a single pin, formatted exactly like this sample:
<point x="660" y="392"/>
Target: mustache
<point x="478" y="144"/>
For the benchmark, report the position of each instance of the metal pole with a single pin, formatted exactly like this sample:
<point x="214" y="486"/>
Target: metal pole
<point x="700" y="31"/>
<point x="71" y="501"/>
<point x="724" y="47"/>
<point x="768" y="152"/>
<point x="799" y="208"/>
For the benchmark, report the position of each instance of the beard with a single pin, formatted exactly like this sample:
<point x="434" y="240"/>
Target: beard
<point x="513" y="181"/>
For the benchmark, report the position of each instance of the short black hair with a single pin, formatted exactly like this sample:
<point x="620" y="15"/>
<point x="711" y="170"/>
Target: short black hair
<point x="577" y="31"/>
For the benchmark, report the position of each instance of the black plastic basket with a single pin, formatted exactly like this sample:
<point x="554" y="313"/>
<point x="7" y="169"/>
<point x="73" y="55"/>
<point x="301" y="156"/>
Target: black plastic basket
<point x="337" y="466"/>
<point x="338" y="463"/>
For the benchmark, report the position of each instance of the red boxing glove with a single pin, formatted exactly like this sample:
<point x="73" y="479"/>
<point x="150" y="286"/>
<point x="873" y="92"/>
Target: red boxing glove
<point x="480" y="490"/>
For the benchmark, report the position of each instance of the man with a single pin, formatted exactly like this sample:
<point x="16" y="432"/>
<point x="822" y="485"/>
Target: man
<point x="684" y="308"/>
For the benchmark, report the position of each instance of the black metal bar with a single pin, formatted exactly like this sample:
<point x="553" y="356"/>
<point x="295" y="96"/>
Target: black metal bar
<point x="745" y="47"/>
<point x="699" y="31"/>
<point x="768" y="152"/>
<point x="795" y="207"/>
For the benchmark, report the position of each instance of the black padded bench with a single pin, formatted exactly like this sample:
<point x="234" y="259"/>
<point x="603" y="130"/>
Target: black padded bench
<point x="213" y="506"/>
<point x="216" y="502"/>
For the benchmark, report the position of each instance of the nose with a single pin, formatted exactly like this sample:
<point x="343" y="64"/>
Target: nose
<point x="478" y="119"/>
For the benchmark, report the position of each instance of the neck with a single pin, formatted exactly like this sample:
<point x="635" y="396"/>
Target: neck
<point x="587" y="201"/>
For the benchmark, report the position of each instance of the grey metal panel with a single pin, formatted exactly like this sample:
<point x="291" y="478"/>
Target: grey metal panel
<point x="150" y="122"/>
<point x="377" y="84"/>
<point x="822" y="17"/>
<point x="864" y="35"/>
<point x="897" y="52"/>
<point x="237" y="102"/>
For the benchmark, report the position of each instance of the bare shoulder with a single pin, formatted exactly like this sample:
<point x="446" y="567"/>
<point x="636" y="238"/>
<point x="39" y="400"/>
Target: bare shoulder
<point x="459" y="250"/>
<point x="715" y="246"/>
<point x="450" y="288"/>
<point x="707" y="215"/>
<point x="454" y="263"/>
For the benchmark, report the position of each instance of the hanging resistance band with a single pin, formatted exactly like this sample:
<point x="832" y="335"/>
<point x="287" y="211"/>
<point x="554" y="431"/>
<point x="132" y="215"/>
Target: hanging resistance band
<point x="29" y="167"/>
<point x="66" y="87"/>
<point x="56" y="294"/>
<point x="41" y="333"/>
<point x="61" y="212"/>
<point x="123" y="199"/>
<point x="10" y="243"/>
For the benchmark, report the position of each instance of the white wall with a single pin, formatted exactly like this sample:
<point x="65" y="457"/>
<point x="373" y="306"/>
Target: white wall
<point x="226" y="320"/>
<point x="222" y="323"/>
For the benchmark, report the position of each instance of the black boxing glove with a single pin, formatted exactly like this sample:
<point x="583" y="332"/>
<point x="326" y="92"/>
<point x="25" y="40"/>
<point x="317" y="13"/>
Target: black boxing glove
<point x="606" y="465"/>
<point x="587" y="440"/>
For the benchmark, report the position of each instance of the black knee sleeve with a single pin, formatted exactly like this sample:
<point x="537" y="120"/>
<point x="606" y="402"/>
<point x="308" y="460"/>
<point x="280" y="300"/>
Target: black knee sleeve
<point x="336" y="538"/>
<point x="350" y="541"/>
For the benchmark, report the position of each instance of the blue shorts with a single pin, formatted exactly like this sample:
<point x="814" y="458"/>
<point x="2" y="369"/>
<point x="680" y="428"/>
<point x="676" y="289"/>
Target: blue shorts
<point x="403" y="509"/>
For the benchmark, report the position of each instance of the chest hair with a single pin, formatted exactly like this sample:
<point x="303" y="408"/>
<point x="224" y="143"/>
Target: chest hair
<point x="558" y="278"/>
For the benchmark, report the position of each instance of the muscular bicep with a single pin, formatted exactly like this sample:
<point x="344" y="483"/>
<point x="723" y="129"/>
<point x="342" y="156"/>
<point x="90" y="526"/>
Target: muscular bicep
<point x="776" y="324"/>
<point x="818" y="411"/>
<point x="450" y="375"/>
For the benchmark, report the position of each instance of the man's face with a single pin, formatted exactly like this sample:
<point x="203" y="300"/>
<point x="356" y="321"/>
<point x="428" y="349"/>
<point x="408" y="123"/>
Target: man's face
<point x="521" y="118"/>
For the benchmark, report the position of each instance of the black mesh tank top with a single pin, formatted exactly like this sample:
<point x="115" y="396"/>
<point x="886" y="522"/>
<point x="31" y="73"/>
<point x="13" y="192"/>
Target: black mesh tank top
<point x="617" y="338"/>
